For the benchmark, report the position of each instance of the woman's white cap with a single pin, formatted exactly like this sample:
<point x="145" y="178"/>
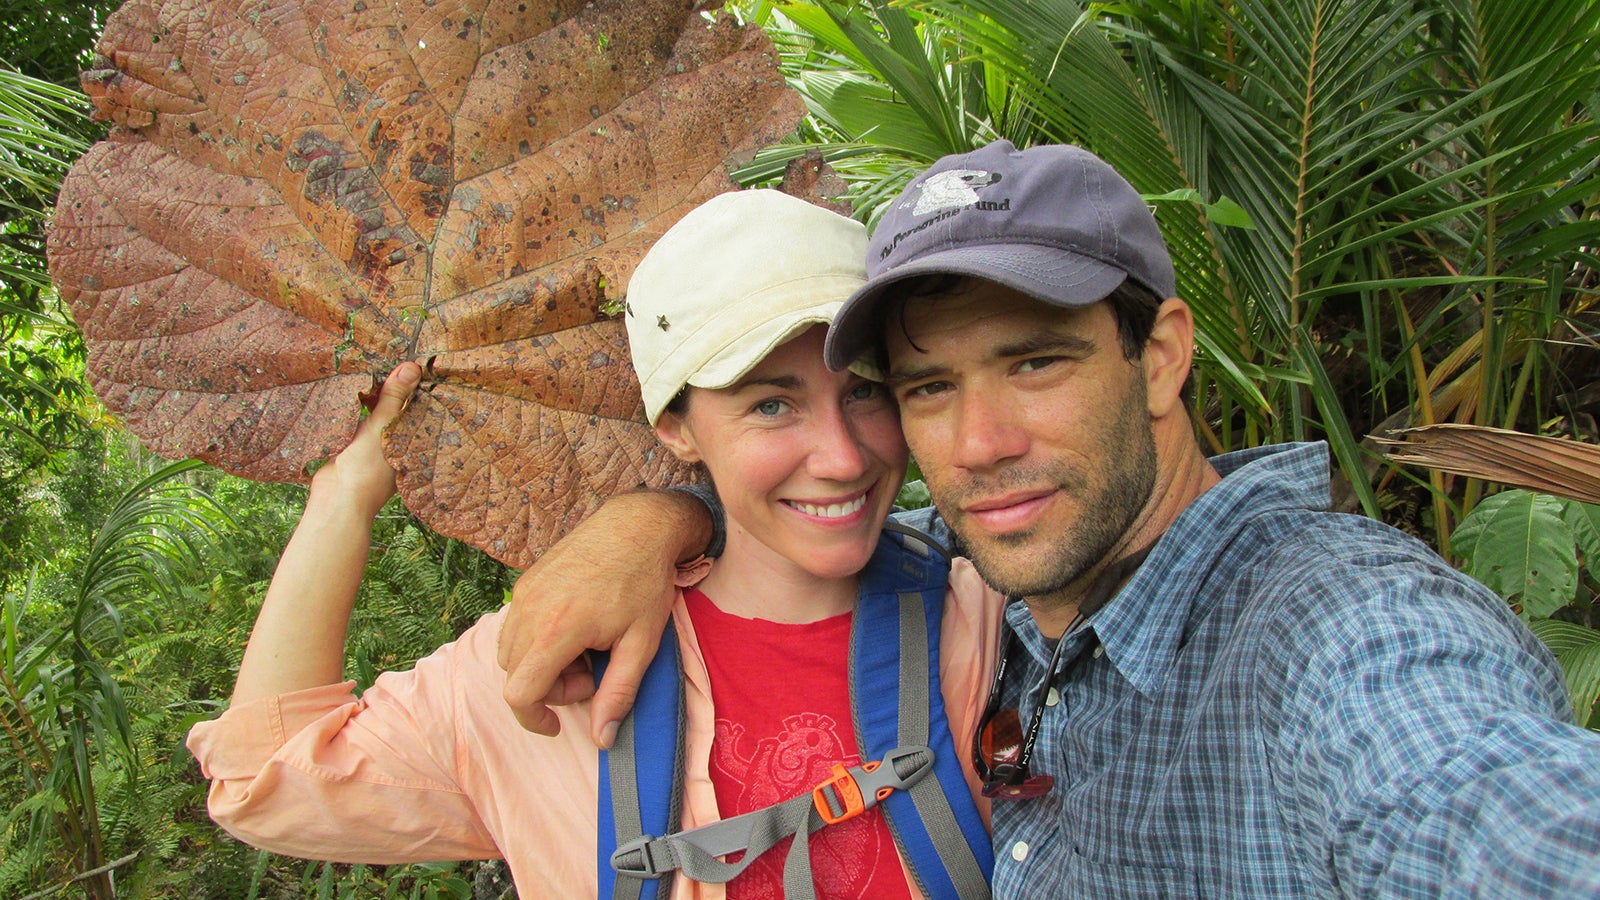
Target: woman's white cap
<point x="739" y="275"/>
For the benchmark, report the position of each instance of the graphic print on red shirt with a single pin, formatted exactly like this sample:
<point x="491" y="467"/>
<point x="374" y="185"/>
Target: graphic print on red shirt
<point x="782" y="699"/>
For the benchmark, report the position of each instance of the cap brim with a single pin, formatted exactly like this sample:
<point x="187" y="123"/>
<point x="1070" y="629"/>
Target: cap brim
<point x="1048" y="274"/>
<point x="738" y="358"/>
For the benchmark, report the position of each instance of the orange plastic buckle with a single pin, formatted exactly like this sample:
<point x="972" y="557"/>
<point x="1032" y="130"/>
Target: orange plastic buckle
<point x="844" y="787"/>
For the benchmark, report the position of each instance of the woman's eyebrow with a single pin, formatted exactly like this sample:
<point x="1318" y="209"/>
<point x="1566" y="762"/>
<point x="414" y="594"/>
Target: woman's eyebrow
<point x="782" y="382"/>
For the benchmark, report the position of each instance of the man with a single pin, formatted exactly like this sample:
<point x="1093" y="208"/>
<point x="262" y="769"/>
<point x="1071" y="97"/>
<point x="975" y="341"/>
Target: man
<point x="1219" y="688"/>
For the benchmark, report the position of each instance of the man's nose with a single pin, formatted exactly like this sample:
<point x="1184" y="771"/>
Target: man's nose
<point x="988" y="431"/>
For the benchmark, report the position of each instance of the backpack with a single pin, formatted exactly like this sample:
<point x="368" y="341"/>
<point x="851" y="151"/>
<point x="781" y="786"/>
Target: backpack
<point x="900" y="725"/>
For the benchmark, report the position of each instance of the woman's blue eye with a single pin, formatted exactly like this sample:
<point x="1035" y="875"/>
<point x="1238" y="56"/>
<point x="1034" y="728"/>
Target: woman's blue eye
<point x="769" y="407"/>
<point x="865" y="391"/>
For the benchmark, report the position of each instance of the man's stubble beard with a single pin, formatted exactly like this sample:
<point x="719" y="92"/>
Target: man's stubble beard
<point x="1104" y="518"/>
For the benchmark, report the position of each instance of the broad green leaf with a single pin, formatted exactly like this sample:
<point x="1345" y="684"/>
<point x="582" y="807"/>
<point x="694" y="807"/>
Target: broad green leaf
<point x="1584" y="520"/>
<point x="914" y="495"/>
<point x="32" y="143"/>
<point x="1227" y="212"/>
<point x="1517" y="543"/>
<point x="1578" y="650"/>
<point x="1562" y="636"/>
<point x="1222" y="212"/>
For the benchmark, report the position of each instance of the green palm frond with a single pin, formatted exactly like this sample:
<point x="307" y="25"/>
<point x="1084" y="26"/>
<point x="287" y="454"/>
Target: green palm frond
<point x="150" y="541"/>
<point x="1083" y="88"/>
<point x="1379" y="149"/>
<point x="35" y="149"/>
<point x="62" y="704"/>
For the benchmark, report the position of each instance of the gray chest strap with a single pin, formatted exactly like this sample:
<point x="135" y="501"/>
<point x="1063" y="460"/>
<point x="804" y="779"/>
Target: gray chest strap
<point x="846" y="795"/>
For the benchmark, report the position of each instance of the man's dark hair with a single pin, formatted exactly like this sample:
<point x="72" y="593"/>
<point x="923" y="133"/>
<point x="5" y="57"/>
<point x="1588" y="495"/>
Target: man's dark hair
<point x="1133" y="306"/>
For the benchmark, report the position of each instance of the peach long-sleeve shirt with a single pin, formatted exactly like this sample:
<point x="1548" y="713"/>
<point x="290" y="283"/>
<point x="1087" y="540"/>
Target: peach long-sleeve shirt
<point x="429" y="764"/>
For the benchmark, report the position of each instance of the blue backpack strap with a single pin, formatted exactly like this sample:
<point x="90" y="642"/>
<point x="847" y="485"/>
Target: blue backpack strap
<point x="897" y="701"/>
<point x="641" y="783"/>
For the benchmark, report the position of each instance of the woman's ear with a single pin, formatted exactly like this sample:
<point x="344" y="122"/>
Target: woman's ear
<point x="676" y="435"/>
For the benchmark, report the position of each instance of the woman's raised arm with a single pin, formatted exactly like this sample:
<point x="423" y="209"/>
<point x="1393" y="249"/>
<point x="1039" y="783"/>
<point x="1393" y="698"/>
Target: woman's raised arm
<point x="298" y="639"/>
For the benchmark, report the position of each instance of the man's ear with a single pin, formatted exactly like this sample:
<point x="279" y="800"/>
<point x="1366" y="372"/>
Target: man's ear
<point x="676" y="435"/>
<point x="1168" y="356"/>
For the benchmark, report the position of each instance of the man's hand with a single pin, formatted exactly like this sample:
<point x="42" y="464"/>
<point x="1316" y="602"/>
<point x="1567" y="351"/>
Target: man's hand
<point x="608" y="585"/>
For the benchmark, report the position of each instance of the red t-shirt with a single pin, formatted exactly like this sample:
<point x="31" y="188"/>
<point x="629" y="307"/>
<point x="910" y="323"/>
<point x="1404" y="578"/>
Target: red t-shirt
<point x="782" y="699"/>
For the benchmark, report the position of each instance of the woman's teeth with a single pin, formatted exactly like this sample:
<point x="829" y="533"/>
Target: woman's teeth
<point x="832" y="510"/>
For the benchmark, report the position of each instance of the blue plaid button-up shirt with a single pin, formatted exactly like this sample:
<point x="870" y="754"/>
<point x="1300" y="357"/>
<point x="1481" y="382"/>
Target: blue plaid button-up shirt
<point x="1287" y="702"/>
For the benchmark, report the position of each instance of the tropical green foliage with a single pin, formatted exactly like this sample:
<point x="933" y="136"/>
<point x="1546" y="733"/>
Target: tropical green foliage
<point x="43" y="403"/>
<point x="1578" y="650"/>
<point x="46" y="412"/>
<point x="1381" y="211"/>
<point x="170" y="586"/>
<point x="1542" y="554"/>
<point x="1530" y="548"/>
<point x="1417" y="179"/>
<point x="63" y="706"/>
<point x="44" y="406"/>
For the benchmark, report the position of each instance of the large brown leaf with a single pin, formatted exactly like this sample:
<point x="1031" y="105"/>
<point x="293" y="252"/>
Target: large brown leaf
<point x="296" y="196"/>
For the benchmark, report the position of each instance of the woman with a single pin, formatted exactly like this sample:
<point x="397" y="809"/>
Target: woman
<point x="726" y="317"/>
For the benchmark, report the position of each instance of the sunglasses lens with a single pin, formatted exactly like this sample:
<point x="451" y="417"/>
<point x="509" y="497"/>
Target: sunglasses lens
<point x="1001" y="745"/>
<point x="1002" y="738"/>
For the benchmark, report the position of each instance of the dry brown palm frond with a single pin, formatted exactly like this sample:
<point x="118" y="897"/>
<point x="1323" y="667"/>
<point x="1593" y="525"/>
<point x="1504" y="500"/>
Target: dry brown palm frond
<point x="1550" y="465"/>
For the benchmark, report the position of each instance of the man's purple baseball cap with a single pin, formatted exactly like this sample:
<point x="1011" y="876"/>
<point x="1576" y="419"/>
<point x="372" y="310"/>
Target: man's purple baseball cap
<point x="1054" y="221"/>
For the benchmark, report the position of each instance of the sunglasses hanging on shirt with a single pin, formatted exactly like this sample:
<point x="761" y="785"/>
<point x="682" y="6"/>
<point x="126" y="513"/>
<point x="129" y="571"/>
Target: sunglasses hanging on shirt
<point x="1002" y="753"/>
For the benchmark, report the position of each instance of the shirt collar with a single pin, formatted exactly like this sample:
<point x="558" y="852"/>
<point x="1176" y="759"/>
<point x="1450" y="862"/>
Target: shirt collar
<point x="1142" y="626"/>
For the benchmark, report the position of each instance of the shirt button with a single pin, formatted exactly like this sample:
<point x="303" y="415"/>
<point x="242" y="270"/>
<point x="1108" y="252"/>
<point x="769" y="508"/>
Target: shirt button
<point x="1052" y="698"/>
<point x="1099" y="651"/>
<point x="1019" y="851"/>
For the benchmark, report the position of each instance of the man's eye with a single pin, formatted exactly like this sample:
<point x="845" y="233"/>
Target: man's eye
<point x="1037" y="363"/>
<point x="927" y="389"/>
